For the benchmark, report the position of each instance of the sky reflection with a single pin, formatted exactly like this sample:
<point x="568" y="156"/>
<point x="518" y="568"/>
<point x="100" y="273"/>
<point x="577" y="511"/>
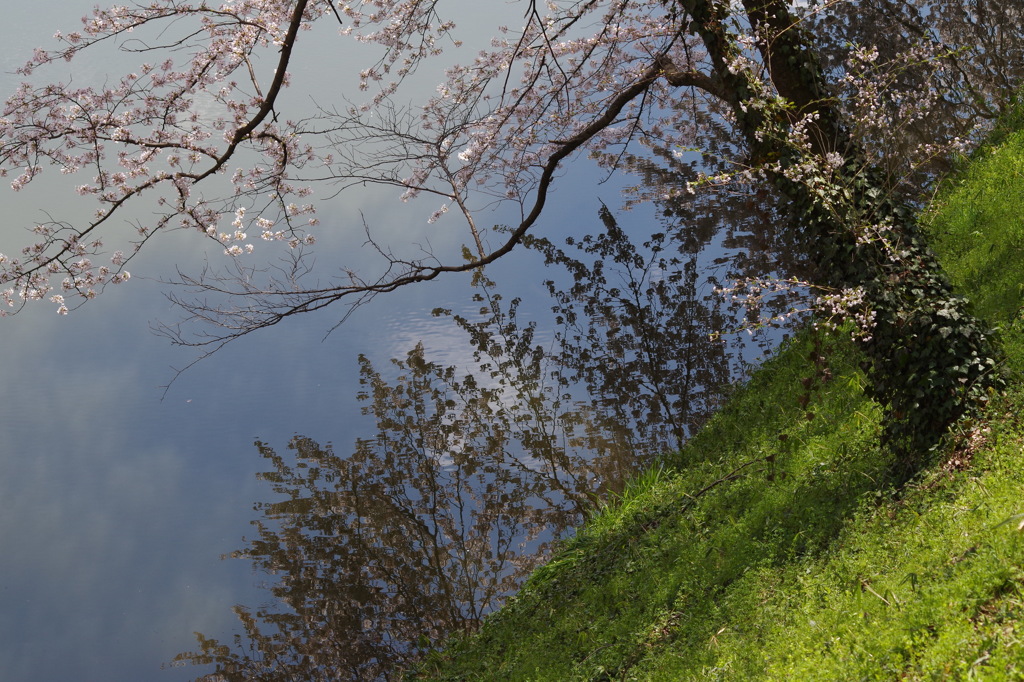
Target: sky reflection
<point x="119" y="499"/>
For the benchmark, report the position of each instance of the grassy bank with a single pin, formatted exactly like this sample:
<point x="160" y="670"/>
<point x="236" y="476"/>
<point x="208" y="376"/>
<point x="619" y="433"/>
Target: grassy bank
<point x="775" y="547"/>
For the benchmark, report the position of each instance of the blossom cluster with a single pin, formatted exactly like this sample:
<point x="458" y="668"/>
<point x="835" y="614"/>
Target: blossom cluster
<point x="886" y="108"/>
<point x="82" y="277"/>
<point x="832" y="307"/>
<point x="161" y="130"/>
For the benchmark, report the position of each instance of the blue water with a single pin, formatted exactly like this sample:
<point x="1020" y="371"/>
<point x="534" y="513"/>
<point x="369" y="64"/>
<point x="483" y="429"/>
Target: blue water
<point x="119" y="498"/>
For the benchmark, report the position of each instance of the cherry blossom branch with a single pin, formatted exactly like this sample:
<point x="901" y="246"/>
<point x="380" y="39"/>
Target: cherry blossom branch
<point x="276" y="305"/>
<point x="25" y="136"/>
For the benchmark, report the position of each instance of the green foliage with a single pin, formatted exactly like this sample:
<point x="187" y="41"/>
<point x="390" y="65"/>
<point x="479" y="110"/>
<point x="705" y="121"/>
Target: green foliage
<point x="976" y="228"/>
<point x="777" y="545"/>
<point x="928" y="359"/>
<point x="752" y="557"/>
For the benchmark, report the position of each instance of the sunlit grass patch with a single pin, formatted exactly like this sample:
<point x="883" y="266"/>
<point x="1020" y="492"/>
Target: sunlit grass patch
<point x="775" y="547"/>
<point x="977" y="228"/>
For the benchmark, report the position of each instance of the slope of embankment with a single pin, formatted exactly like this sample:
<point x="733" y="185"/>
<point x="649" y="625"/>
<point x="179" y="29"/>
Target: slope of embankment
<point x="774" y="547"/>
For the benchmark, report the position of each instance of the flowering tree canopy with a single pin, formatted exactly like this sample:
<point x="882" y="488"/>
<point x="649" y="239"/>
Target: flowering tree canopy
<point x="573" y="77"/>
<point x="203" y="128"/>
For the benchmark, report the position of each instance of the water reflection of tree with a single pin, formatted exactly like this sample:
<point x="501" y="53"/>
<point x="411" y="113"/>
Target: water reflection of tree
<point x="473" y="472"/>
<point x="427" y="525"/>
<point x="635" y="332"/>
<point x="421" y="530"/>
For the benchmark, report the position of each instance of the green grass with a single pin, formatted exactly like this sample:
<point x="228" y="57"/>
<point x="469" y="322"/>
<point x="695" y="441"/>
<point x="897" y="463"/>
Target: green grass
<point x="978" y="227"/>
<point x="774" y="547"/>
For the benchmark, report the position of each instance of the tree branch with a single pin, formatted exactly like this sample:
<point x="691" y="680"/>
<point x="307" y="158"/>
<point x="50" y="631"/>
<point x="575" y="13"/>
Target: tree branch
<point x="251" y="318"/>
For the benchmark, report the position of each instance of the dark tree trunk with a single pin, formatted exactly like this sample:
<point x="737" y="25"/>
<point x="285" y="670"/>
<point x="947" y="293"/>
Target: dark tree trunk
<point x="929" y="361"/>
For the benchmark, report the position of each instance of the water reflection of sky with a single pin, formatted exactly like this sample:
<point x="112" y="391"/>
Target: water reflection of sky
<point x="119" y="500"/>
<point x="117" y="505"/>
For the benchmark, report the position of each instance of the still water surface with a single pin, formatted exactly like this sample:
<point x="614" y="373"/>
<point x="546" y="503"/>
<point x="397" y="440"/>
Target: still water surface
<point x="120" y="498"/>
